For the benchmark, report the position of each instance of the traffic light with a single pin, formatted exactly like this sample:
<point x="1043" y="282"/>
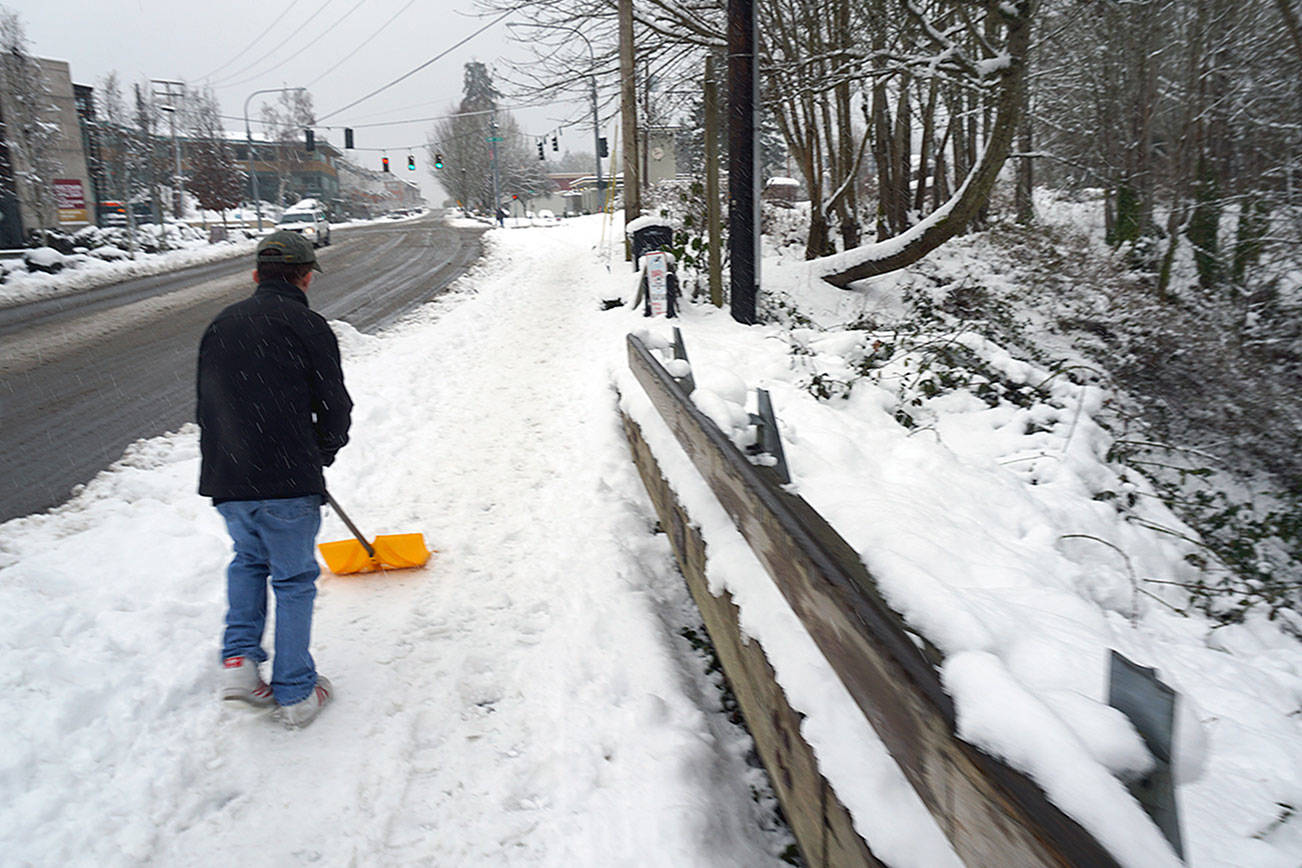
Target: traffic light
<point x="411" y="162"/>
<point x="602" y="150"/>
<point x="555" y="145"/>
<point x="348" y="137"/>
<point x="540" y="151"/>
<point x="384" y="163"/>
<point x="311" y="139"/>
<point x="438" y="161"/>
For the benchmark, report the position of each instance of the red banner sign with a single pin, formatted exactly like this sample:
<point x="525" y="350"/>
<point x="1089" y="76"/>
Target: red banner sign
<point x="70" y="199"/>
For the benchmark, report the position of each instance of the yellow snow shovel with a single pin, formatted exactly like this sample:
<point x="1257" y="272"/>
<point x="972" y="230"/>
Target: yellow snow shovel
<point x="396" y="551"/>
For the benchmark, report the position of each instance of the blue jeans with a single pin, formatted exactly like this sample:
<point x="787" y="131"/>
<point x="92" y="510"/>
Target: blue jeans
<point x="273" y="538"/>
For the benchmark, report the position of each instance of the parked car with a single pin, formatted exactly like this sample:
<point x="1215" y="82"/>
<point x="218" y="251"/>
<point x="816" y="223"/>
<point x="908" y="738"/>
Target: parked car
<point x="311" y="224"/>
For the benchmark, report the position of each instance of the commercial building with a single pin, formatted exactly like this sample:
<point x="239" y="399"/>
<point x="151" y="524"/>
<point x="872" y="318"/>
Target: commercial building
<point x="577" y="193"/>
<point x="52" y="189"/>
<point x="287" y="171"/>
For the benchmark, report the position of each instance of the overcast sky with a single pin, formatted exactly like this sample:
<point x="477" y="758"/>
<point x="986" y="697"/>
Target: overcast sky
<point x="240" y="46"/>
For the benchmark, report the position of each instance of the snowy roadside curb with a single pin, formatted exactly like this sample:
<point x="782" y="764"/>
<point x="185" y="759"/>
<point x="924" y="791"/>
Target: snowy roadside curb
<point x="21" y="288"/>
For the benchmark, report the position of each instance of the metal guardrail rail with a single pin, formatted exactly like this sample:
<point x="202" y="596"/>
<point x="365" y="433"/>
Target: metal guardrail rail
<point x="992" y="814"/>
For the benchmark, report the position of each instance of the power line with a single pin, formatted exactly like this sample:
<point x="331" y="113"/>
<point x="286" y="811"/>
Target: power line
<point x="246" y="48"/>
<point x="305" y="47"/>
<point x="405" y="76"/>
<point x="442" y="117"/>
<point x="348" y="56"/>
<point x="319" y="10"/>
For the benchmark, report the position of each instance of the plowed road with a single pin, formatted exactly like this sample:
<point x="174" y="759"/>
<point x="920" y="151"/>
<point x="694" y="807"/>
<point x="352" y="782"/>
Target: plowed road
<point x="84" y="375"/>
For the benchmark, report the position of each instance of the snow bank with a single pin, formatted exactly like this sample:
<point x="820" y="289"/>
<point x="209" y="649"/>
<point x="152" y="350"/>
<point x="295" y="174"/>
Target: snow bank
<point x="111" y="264"/>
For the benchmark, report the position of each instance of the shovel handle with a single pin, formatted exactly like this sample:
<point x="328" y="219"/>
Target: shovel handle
<point x="370" y="550"/>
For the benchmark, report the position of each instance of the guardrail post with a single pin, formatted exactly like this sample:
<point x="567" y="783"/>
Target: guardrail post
<point x="1137" y="693"/>
<point x="688" y="382"/>
<point x="768" y="441"/>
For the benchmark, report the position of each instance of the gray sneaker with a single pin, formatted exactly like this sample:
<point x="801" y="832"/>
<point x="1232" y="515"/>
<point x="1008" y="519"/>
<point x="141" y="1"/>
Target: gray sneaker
<point x="300" y="714"/>
<point x="242" y="683"/>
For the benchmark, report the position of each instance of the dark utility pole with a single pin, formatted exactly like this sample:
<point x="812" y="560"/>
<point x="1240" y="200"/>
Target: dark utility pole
<point x="743" y="178"/>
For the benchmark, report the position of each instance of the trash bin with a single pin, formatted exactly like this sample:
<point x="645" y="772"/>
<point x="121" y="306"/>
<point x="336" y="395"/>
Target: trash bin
<point x="649" y="233"/>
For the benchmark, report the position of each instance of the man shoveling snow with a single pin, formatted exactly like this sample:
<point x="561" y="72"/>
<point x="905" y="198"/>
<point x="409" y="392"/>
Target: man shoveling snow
<point x="272" y="411"/>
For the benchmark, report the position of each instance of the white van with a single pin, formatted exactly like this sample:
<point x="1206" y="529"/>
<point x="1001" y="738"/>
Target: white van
<point x="312" y="225"/>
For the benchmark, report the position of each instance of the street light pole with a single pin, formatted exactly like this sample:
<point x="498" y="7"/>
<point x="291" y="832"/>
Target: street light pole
<point x="248" y="137"/>
<point x="596" y="120"/>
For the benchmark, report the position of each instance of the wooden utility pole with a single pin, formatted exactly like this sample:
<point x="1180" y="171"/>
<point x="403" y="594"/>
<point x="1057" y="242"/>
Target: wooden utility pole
<point x="743" y="222"/>
<point x="713" y="219"/>
<point x="628" y="119"/>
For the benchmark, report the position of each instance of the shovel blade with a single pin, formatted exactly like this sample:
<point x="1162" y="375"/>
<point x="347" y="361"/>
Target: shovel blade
<point x="392" y="552"/>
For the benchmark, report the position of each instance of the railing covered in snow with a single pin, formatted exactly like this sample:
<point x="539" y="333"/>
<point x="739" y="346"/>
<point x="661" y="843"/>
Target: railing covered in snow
<point x="992" y="814"/>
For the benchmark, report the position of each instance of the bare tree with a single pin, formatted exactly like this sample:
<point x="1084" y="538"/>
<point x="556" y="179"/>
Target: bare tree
<point x="982" y="50"/>
<point x="149" y="156"/>
<point x="810" y="70"/>
<point x="957" y="66"/>
<point x="462" y="141"/>
<point x="215" y="177"/>
<point x="286" y="119"/>
<point x="466" y="139"/>
<point x="114" y="128"/>
<point x="1184" y="113"/>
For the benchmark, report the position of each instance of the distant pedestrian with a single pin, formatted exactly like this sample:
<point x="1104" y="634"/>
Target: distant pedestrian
<point x="272" y="411"/>
<point x="501" y="216"/>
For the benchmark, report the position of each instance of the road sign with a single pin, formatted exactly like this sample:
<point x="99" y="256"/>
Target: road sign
<point x="493" y="139"/>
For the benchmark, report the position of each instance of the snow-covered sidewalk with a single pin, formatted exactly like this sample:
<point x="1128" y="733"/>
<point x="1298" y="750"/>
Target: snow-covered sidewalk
<point x="524" y="700"/>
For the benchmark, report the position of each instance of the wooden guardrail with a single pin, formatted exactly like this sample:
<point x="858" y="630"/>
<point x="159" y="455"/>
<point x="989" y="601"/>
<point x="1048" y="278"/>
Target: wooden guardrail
<point x="993" y="815"/>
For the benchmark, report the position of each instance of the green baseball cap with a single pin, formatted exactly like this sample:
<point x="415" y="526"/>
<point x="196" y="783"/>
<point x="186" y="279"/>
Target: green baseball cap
<point x="289" y="248"/>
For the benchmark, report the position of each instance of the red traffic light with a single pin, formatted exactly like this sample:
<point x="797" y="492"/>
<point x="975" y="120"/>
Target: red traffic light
<point x="384" y="163"/>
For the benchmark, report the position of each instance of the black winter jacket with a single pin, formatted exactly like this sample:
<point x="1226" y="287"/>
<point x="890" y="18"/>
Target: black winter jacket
<point x="272" y="406"/>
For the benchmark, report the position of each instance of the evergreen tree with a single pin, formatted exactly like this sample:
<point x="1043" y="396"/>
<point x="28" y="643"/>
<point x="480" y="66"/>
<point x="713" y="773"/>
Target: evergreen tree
<point x="480" y="94"/>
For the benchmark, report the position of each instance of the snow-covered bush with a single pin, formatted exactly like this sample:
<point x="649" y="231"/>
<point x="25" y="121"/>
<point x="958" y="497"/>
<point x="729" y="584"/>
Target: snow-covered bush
<point x="44" y="259"/>
<point x="1204" y="391"/>
<point x="109" y="253"/>
<point x="682" y="204"/>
